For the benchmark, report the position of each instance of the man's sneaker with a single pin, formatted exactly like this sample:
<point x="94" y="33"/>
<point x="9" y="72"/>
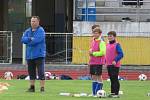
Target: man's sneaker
<point x="42" y="89"/>
<point x="31" y="90"/>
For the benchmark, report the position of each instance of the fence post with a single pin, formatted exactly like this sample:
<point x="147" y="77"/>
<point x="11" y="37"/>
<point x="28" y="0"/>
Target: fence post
<point x="66" y="49"/>
<point x="24" y="54"/>
<point x="11" y="50"/>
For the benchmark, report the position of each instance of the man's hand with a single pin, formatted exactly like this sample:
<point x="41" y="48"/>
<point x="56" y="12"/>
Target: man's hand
<point x="31" y="38"/>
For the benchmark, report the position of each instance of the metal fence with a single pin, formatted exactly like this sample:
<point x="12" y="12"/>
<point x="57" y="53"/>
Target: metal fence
<point x="6" y="47"/>
<point x="58" y="48"/>
<point x="69" y="48"/>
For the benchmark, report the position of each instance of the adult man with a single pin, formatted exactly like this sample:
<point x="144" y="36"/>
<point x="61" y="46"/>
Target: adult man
<point x="34" y="38"/>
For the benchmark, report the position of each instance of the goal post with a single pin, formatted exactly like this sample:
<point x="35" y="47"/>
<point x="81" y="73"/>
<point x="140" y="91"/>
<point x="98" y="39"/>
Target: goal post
<point x="6" y="47"/>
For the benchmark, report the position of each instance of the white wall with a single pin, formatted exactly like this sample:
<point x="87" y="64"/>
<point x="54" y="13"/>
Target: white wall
<point x="121" y="27"/>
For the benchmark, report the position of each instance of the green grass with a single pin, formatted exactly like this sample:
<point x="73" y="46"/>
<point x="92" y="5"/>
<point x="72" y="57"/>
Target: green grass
<point x="133" y="90"/>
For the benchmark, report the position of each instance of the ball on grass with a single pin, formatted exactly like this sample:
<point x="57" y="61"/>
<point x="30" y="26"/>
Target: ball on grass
<point x="101" y="93"/>
<point x="142" y="77"/>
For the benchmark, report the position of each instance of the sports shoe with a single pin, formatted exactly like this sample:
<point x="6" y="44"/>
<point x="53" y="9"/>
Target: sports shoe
<point x="31" y="90"/>
<point x="42" y="89"/>
<point x="91" y="95"/>
<point x="95" y="96"/>
<point x="113" y="96"/>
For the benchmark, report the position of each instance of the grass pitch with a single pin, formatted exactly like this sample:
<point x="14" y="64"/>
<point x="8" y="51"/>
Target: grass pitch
<point x="133" y="90"/>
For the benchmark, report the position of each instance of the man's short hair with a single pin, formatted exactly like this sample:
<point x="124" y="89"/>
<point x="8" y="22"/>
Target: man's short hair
<point x="36" y="17"/>
<point x="112" y="33"/>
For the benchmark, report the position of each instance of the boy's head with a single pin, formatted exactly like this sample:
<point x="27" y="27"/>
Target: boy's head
<point x="111" y="35"/>
<point x="97" y="33"/>
<point x="95" y="26"/>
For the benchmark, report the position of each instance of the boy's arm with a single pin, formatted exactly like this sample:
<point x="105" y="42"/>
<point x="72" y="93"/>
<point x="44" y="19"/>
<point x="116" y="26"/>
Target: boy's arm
<point x="102" y="51"/>
<point x="120" y="53"/>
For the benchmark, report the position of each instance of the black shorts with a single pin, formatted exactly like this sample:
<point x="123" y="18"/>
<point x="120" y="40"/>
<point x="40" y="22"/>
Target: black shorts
<point x="38" y="64"/>
<point x="96" y="69"/>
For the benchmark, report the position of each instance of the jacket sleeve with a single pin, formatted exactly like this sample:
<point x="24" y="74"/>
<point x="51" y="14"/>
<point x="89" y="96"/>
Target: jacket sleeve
<point x="102" y="51"/>
<point x="119" y="52"/>
<point x="38" y="38"/>
<point x="25" y="39"/>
